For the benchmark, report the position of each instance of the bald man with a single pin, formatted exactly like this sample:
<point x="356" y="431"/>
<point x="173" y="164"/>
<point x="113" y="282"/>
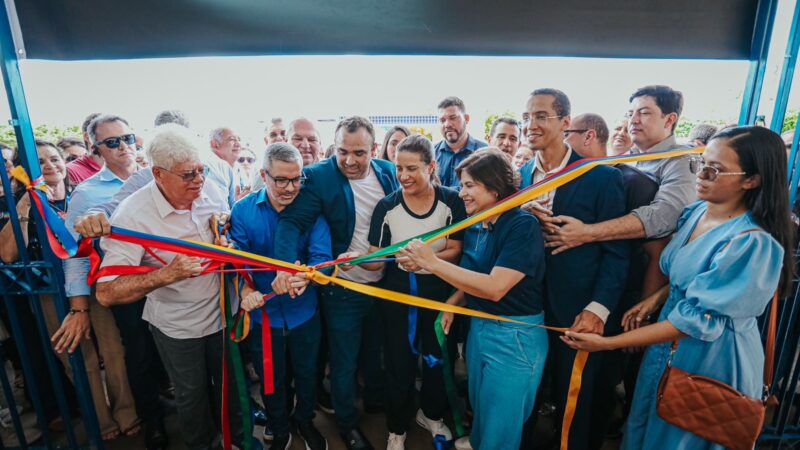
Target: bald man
<point x="588" y="135"/>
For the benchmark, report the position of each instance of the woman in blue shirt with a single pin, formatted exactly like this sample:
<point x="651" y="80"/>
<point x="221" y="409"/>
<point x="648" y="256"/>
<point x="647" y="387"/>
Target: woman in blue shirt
<point x="729" y="254"/>
<point x="501" y="272"/>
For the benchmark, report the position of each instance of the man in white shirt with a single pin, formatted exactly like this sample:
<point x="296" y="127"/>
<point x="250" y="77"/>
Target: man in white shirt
<point x="182" y="305"/>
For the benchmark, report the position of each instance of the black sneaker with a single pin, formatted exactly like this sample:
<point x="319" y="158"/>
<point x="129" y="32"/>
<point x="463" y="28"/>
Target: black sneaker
<point x="312" y="436"/>
<point x="155" y="436"/>
<point x="281" y="442"/>
<point x="355" y="440"/>
<point x="324" y="402"/>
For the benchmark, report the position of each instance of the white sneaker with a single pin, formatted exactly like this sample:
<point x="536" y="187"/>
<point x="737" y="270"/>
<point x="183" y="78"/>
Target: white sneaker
<point x="436" y="427"/>
<point x="463" y="443"/>
<point x="396" y="442"/>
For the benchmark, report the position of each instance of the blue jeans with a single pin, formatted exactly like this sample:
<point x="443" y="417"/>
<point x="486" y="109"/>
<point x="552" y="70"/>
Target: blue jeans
<point x="505" y="362"/>
<point x="345" y="312"/>
<point x="302" y="343"/>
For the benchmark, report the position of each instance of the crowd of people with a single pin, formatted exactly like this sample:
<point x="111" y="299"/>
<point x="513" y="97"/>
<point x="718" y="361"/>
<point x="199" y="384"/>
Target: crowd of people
<point x="632" y="257"/>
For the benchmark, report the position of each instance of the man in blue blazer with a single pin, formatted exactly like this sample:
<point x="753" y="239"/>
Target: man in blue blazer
<point x="343" y="189"/>
<point x="583" y="285"/>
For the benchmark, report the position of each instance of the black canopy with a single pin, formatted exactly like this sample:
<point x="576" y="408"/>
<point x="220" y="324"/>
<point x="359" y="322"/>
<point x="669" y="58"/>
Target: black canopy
<point x="101" y="29"/>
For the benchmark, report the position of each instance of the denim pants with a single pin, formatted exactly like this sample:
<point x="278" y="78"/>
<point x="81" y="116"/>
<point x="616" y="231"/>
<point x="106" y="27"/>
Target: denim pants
<point x="505" y="362"/>
<point x="345" y="312"/>
<point x="302" y="343"/>
<point x="195" y="367"/>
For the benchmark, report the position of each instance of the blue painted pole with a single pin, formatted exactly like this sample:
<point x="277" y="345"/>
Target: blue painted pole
<point x="795" y="162"/>
<point x="12" y="80"/>
<point x="759" y="50"/>
<point x="787" y="72"/>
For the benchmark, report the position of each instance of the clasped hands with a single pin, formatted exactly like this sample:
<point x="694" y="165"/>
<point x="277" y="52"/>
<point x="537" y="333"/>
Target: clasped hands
<point x="561" y="233"/>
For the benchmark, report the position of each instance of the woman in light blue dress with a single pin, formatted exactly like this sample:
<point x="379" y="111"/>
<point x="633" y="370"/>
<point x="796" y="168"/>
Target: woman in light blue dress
<point x="730" y="252"/>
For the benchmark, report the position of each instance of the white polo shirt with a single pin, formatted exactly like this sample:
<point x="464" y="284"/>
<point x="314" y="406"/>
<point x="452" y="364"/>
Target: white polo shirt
<point x="185" y="309"/>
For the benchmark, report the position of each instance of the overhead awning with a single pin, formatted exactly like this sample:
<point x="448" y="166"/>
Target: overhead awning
<point x="115" y="29"/>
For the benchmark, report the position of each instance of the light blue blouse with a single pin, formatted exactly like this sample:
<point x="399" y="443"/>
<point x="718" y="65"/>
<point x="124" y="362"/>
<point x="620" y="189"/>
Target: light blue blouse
<point x="719" y="284"/>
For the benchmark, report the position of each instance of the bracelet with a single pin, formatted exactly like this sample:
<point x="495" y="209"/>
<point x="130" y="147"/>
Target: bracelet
<point x="75" y="311"/>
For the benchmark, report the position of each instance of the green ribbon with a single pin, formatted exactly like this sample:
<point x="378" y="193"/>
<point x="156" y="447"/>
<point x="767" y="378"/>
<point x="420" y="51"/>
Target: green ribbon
<point x="236" y="362"/>
<point x="449" y="379"/>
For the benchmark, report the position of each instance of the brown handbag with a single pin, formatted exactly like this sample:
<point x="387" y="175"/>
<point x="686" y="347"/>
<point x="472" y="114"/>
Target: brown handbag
<point x="713" y="410"/>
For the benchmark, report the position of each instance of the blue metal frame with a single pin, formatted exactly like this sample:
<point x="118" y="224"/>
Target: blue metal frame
<point x="46" y="278"/>
<point x="787" y="73"/>
<point x="762" y="35"/>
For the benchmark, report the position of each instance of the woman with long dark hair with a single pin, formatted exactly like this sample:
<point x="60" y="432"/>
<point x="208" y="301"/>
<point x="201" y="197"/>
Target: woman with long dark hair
<point x="84" y="315"/>
<point x="390" y="141"/>
<point x="730" y="253"/>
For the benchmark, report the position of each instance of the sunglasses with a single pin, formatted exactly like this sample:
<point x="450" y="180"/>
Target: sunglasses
<point x="245" y="159"/>
<point x="710" y="173"/>
<point x="114" y="142"/>
<point x="188" y="177"/>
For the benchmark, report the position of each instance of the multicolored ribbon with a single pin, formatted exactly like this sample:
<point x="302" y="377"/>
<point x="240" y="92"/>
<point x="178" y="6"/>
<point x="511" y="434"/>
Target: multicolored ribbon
<point x="64" y="246"/>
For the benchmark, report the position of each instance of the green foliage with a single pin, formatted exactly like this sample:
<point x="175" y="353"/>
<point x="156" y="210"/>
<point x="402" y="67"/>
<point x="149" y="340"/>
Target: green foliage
<point x="685" y="125"/>
<point x="487" y="124"/>
<point x="50" y="133"/>
<point x="790" y="121"/>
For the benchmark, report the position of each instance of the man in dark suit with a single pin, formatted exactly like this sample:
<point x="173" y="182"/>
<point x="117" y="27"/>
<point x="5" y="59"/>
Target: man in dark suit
<point x="583" y="285"/>
<point x="343" y="189"/>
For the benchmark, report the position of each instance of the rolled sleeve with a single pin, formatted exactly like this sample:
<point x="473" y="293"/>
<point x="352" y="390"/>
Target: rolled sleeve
<point x="696" y="321"/>
<point x="75" y="272"/>
<point x="676" y="190"/>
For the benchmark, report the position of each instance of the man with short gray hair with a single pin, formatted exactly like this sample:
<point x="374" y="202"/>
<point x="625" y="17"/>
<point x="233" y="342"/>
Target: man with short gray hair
<point x="275" y="132"/>
<point x="182" y="303"/>
<point x="171" y="116"/>
<point x="295" y="322"/>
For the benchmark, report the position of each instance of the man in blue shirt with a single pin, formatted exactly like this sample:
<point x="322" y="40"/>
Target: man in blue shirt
<point x="294" y="320"/>
<point x="111" y="138"/>
<point x="457" y="144"/>
<point x="343" y="189"/>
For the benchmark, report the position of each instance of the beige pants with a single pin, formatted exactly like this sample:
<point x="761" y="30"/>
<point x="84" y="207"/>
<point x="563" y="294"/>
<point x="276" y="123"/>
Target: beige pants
<point x="121" y="413"/>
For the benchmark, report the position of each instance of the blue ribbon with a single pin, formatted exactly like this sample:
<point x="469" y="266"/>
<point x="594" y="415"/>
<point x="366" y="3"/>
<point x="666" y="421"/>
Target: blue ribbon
<point x="57" y="224"/>
<point x="440" y="443"/>
<point x="430" y="360"/>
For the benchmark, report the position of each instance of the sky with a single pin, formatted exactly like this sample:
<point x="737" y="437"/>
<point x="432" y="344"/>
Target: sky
<point x="246" y="92"/>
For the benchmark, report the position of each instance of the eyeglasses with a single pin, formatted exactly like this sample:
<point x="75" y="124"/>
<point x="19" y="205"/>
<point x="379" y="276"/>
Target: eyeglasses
<point x="114" y="142"/>
<point x="282" y="182"/>
<point x="246" y="159"/>
<point x="710" y="173"/>
<point x="567" y="132"/>
<point x="539" y="119"/>
<point x="188" y="177"/>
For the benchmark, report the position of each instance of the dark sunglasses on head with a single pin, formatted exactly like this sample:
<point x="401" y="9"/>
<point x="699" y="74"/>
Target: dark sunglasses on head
<point x="245" y="159"/>
<point x="114" y="142"/>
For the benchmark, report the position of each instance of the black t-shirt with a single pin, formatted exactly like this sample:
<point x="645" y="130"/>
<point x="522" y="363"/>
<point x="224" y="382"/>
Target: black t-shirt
<point x="515" y="242"/>
<point x="393" y="222"/>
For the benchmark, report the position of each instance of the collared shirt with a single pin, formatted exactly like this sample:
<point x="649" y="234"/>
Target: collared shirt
<point x="675" y="190"/>
<point x="540" y="174"/>
<point x="213" y="187"/>
<point x="96" y="190"/>
<point x="514" y="241"/>
<point x="447" y="160"/>
<point x="188" y="308"/>
<point x="253" y="225"/>
<point x="82" y="168"/>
